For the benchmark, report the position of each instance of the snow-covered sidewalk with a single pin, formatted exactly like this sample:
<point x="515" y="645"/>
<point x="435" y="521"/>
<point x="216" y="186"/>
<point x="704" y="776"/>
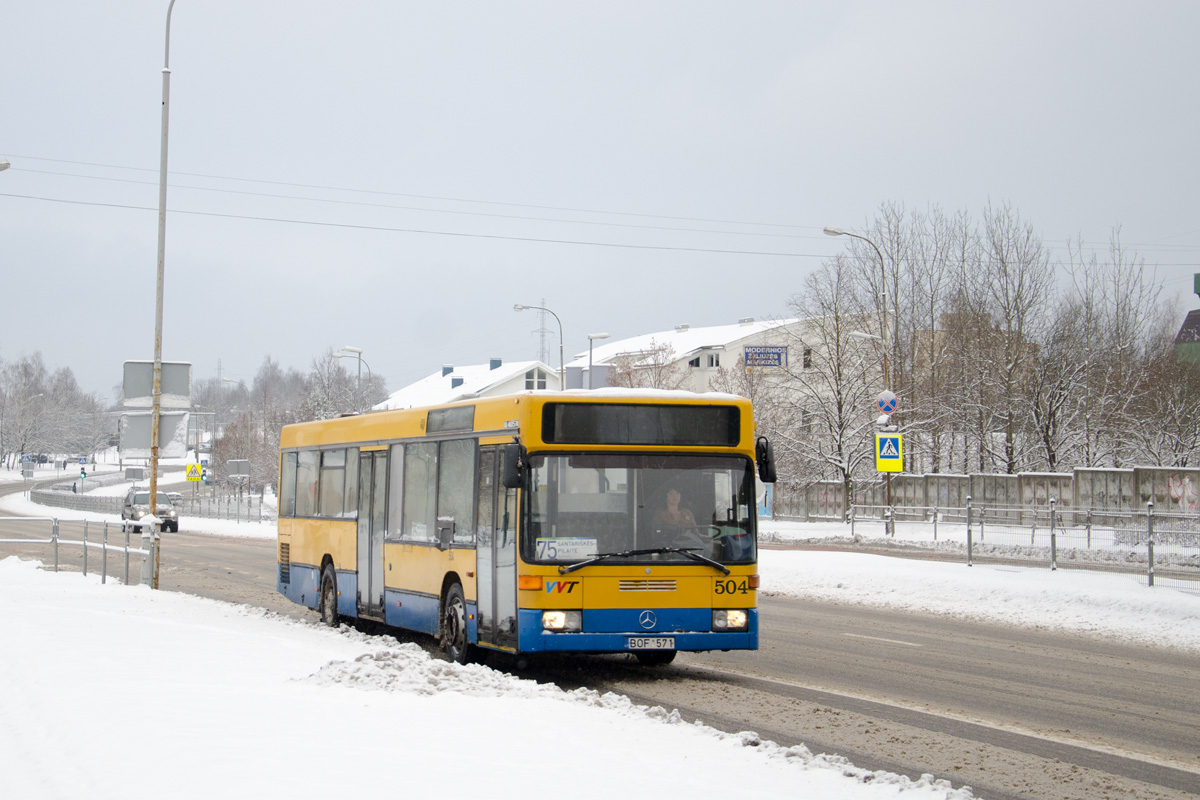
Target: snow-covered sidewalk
<point x="222" y="700"/>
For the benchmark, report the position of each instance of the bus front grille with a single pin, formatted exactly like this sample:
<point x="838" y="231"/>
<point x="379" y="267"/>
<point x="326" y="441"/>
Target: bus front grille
<point x="647" y="586"/>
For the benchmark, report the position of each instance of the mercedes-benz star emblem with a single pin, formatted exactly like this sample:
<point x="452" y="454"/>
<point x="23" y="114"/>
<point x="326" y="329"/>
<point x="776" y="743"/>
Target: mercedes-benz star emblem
<point x="647" y="619"/>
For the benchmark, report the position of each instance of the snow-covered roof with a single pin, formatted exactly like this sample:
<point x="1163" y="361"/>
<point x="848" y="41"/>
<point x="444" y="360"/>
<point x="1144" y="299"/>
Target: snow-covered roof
<point x="684" y="340"/>
<point x="458" y="383"/>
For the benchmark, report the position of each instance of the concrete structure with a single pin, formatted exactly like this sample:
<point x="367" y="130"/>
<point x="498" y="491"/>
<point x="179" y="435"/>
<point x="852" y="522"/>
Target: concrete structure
<point x="452" y="383"/>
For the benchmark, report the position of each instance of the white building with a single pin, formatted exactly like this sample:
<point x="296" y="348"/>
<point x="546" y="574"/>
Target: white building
<point x="452" y="383"/>
<point x="692" y="355"/>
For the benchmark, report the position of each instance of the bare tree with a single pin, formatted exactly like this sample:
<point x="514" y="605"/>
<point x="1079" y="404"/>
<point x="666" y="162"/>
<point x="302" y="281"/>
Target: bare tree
<point x="831" y="391"/>
<point x="653" y="368"/>
<point x="1125" y="314"/>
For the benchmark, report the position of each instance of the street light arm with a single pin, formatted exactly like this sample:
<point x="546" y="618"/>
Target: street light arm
<point x="562" y="370"/>
<point x="832" y="230"/>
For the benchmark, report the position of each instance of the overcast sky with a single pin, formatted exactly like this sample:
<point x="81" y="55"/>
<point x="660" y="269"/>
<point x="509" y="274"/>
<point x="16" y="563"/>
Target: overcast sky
<point x="395" y="176"/>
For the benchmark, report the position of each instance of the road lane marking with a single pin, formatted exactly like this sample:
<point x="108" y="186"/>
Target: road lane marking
<point x="880" y="639"/>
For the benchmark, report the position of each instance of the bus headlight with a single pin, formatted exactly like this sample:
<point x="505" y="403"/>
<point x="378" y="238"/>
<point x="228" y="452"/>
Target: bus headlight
<point x="730" y="619"/>
<point x="562" y="621"/>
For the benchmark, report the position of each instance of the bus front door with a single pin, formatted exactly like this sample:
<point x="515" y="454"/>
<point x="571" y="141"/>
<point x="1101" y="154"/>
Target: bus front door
<point x="496" y="555"/>
<point x="372" y="493"/>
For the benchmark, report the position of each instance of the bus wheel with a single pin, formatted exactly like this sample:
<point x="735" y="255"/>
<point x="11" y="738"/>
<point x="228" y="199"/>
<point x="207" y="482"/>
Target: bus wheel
<point x="655" y="658"/>
<point x="454" y="627"/>
<point x="327" y="599"/>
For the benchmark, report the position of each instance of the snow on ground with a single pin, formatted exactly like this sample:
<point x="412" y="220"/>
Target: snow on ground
<point x="263" y="701"/>
<point x="217" y="700"/>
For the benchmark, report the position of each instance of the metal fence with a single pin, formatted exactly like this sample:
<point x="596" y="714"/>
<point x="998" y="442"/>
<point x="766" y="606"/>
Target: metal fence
<point x="247" y="508"/>
<point x="219" y="505"/>
<point x="1161" y="549"/>
<point x="51" y="539"/>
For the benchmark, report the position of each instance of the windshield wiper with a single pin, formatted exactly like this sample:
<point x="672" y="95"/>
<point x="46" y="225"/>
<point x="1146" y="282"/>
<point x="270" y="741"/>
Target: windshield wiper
<point x="686" y="552"/>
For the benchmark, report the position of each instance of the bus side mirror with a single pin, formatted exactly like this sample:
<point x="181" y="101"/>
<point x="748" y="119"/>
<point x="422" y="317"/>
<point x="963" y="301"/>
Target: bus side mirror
<point x="513" y="461"/>
<point x="764" y="456"/>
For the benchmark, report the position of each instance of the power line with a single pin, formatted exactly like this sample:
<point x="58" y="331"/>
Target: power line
<point x="426" y="231"/>
<point x="422" y="208"/>
<point x="433" y="232"/>
<point x="430" y="197"/>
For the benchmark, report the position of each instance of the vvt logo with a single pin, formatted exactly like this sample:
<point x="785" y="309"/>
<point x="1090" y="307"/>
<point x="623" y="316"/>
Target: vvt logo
<point x="561" y="587"/>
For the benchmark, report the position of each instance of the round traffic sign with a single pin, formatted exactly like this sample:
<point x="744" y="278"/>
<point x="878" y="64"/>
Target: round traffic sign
<point x="887" y="402"/>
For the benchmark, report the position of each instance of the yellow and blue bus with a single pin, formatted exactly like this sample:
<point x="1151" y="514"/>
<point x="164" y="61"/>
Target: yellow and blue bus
<point x="587" y="522"/>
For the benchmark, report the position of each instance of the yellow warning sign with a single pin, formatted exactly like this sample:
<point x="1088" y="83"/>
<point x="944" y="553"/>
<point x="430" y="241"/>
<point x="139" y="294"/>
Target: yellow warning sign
<point x="889" y="452"/>
<point x="193" y="472"/>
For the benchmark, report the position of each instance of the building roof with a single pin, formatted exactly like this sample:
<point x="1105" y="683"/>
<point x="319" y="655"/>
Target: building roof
<point x="459" y="383"/>
<point x="1190" y="331"/>
<point x="684" y="340"/>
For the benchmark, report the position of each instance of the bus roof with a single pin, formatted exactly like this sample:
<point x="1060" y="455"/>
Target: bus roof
<point x="504" y="416"/>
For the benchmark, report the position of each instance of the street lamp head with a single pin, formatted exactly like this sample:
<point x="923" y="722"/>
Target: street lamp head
<point x="597" y="336"/>
<point x="519" y="307"/>
<point x="4" y="164"/>
<point x="833" y="230"/>
<point x="347" y="348"/>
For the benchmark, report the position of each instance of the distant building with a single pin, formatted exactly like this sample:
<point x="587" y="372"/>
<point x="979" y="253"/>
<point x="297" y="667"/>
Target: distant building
<point x="689" y="358"/>
<point x="1187" y="341"/>
<point x="452" y="383"/>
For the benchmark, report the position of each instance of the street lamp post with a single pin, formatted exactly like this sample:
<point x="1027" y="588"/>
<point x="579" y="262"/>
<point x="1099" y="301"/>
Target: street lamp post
<point x="831" y="230"/>
<point x="562" y="374"/>
<point x="156" y="408"/>
<point x="591" y="338"/>
<point x="356" y="353"/>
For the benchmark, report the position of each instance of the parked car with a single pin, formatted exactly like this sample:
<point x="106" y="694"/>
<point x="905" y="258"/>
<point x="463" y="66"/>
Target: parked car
<point x="176" y="499"/>
<point x="137" y="505"/>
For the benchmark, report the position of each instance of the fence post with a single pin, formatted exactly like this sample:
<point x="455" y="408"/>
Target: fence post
<point x="104" y="555"/>
<point x="1089" y="529"/>
<point x="1053" y="537"/>
<point x="126" y="529"/>
<point x="149" y="544"/>
<point x="982" y="517"/>
<point x="969" y="530"/>
<point x="935" y="521"/>
<point x="54" y="538"/>
<point x="1150" y="541"/>
<point x="853" y="537"/>
<point x="85" y="548"/>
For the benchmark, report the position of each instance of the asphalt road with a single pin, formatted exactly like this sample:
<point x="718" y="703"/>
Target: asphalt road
<point x="1011" y="712"/>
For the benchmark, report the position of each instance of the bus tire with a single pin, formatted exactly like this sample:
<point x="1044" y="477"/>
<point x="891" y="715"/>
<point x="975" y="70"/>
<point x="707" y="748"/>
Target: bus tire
<point x="655" y="658"/>
<point x="454" y="627"/>
<point x="327" y="597"/>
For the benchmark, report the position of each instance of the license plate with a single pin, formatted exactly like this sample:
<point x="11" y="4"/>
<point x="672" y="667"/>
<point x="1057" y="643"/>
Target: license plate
<point x="652" y="643"/>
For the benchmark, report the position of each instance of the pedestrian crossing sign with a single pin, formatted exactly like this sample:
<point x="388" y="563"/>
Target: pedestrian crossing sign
<point x="889" y="452"/>
<point x="193" y="472"/>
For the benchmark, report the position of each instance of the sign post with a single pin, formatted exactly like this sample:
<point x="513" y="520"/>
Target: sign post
<point x="889" y="447"/>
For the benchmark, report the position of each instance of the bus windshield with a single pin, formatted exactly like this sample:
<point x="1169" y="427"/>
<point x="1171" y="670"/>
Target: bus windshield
<point x="641" y="507"/>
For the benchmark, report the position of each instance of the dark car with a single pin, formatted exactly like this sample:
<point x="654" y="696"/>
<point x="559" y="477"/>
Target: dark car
<point x="137" y="505"/>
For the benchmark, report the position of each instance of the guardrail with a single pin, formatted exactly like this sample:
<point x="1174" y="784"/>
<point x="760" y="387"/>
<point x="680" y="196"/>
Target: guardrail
<point x="1162" y="549"/>
<point x="148" y="551"/>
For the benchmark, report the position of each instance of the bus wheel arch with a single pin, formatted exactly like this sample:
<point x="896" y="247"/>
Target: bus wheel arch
<point x="327" y="594"/>
<point x="454" y="635"/>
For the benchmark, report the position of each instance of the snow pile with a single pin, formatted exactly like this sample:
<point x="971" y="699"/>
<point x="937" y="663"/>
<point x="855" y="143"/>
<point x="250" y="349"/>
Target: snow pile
<point x="268" y="706"/>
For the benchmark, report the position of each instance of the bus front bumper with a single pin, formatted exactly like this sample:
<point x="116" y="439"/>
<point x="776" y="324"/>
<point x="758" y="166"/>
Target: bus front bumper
<point x="607" y="631"/>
